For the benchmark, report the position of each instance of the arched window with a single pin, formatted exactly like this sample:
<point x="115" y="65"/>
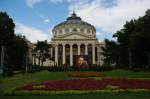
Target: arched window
<point x="55" y="34"/>
<point x="66" y="30"/>
<point x="74" y="30"/>
<point x="60" y="31"/>
<point x="93" y="32"/>
<point x="88" y="31"/>
<point x="82" y="30"/>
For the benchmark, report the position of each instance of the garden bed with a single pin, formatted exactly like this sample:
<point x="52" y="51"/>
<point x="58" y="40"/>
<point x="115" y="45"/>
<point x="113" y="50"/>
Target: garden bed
<point x="78" y="86"/>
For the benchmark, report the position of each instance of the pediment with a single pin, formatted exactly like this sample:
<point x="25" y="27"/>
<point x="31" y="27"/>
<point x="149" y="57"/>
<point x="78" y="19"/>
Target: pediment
<point x="74" y="36"/>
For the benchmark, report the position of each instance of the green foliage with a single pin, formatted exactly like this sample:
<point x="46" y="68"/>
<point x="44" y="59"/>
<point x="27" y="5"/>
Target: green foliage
<point x="132" y="46"/>
<point x="140" y="95"/>
<point x="110" y="51"/>
<point x="6" y="29"/>
<point x="15" y="46"/>
<point x="94" y="67"/>
<point x="107" y="67"/>
<point x="42" y="50"/>
<point x="34" y="68"/>
<point x="17" y="53"/>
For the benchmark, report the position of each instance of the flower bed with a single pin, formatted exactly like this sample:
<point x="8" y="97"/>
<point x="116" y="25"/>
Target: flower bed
<point x="85" y="74"/>
<point x="88" y="84"/>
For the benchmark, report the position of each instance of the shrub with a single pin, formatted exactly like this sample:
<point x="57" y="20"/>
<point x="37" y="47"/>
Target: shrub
<point x="107" y="67"/>
<point x="7" y="72"/>
<point x="34" y="68"/>
<point x="86" y="74"/>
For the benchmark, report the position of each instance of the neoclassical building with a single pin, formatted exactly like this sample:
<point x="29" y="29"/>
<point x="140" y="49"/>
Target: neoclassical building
<point x="74" y="42"/>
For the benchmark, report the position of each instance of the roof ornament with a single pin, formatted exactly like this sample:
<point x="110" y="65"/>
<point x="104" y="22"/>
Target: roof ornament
<point x="74" y="14"/>
<point x="73" y="17"/>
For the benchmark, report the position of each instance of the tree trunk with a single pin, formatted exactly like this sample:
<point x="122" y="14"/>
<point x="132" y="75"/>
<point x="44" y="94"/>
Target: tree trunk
<point x="39" y="61"/>
<point x="130" y="58"/>
<point x="26" y="61"/>
<point x="148" y="60"/>
<point x="34" y="60"/>
<point x="42" y="63"/>
<point x="2" y="59"/>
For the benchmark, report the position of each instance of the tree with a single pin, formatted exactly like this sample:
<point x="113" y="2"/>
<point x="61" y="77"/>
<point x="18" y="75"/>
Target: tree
<point x="6" y="29"/>
<point x="124" y="41"/>
<point x="42" y="50"/>
<point x="17" y="53"/>
<point x="12" y="47"/>
<point x="132" y="45"/>
<point x="110" y="51"/>
<point x="6" y="35"/>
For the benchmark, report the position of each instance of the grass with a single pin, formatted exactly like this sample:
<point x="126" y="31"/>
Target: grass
<point x="85" y="96"/>
<point x="21" y="79"/>
<point x="128" y="74"/>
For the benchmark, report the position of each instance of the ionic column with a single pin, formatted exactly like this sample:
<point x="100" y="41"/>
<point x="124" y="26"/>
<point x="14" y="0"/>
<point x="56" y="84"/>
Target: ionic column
<point x="93" y="53"/>
<point x="33" y="60"/>
<point x="79" y="49"/>
<point x="64" y="55"/>
<point x="71" y="55"/>
<point x="86" y="49"/>
<point x="56" y="54"/>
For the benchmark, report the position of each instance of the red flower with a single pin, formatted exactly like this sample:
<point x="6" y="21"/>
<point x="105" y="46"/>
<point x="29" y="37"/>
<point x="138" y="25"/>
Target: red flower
<point x="88" y="84"/>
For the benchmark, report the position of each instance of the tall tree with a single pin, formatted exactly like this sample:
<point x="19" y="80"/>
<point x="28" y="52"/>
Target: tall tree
<point x="110" y="51"/>
<point x="42" y="50"/>
<point x="133" y="43"/>
<point x="123" y="39"/>
<point x="17" y="53"/>
<point x="12" y="47"/>
<point x="6" y="35"/>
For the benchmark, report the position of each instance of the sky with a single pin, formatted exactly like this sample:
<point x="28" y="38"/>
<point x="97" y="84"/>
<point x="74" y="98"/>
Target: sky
<point x="36" y="18"/>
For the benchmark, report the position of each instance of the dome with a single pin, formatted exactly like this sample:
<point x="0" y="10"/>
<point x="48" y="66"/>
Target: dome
<point x="75" y="23"/>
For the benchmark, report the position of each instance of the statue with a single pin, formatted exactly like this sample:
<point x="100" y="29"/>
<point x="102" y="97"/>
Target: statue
<point x="82" y="63"/>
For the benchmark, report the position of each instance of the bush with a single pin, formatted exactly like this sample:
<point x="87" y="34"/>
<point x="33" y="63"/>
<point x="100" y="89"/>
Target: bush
<point x="7" y="71"/>
<point x="107" y="67"/>
<point x="93" y="67"/>
<point x="34" y="68"/>
<point x="56" y="68"/>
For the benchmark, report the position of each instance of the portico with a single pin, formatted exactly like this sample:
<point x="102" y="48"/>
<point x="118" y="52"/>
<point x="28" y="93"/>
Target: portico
<point x="72" y="52"/>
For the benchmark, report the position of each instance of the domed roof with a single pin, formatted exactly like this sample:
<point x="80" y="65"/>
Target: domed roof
<point x="74" y="19"/>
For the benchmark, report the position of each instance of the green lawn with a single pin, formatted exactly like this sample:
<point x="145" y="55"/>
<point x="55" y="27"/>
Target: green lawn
<point x="128" y="74"/>
<point x="85" y="96"/>
<point x="21" y="79"/>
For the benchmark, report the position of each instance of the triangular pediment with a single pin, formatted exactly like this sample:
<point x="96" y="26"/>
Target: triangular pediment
<point x="74" y="36"/>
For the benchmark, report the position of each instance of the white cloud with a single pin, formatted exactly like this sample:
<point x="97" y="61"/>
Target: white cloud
<point x="107" y="16"/>
<point x="31" y="33"/>
<point x="46" y="21"/>
<point x="111" y="18"/>
<point x="56" y="1"/>
<point x="50" y="32"/>
<point x="30" y="3"/>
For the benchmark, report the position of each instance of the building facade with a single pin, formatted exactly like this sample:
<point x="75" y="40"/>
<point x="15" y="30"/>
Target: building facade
<point x="74" y="42"/>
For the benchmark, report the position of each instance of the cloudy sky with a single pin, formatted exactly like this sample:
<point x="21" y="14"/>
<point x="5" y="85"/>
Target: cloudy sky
<point x="36" y="18"/>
